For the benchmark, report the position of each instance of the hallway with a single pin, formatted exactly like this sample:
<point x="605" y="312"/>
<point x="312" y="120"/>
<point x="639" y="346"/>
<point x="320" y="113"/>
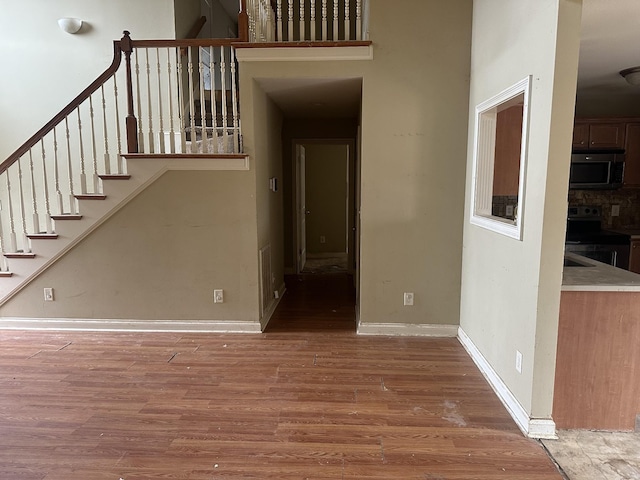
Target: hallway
<point x="308" y="399"/>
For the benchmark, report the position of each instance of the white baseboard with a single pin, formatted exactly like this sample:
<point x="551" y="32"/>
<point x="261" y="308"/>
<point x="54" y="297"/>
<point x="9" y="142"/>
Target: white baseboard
<point x="272" y="308"/>
<point x="407" y="330"/>
<point x="120" y="325"/>
<point x="532" y="427"/>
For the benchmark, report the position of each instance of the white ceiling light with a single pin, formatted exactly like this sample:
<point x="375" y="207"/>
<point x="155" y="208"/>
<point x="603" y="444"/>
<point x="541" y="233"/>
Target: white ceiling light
<point x="631" y="75"/>
<point x="70" y="25"/>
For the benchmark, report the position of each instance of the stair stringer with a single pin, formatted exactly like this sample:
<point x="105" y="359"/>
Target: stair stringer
<point x="143" y="171"/>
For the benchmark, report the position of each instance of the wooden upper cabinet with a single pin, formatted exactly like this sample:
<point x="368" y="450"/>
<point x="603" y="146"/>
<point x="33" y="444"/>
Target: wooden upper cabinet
<point x="606" y="135"/>
<point x="597" y="135"/>
<point x="581" y="135"/>
<point x="634" y="257"/>
<point x="506" y="167"/>
<point x="632" y="157"/>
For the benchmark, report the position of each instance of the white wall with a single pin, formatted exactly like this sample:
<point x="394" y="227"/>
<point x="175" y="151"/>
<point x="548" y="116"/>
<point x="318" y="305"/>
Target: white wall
<point x="511" y="288"/>
<point x="44" y="68"/>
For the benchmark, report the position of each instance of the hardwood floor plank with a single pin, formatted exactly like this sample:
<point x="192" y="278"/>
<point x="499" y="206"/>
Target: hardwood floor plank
<point x="306" y="399"/>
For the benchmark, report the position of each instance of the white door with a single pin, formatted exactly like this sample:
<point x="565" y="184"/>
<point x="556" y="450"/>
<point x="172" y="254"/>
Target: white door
<point x="301" y="207"/>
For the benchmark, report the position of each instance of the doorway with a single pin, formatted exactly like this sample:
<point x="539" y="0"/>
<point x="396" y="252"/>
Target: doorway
<point x="325" y="205"/>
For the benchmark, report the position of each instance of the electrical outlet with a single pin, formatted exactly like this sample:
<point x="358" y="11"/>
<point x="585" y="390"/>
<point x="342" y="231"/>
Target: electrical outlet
<point x="323" y="239"/>
<point x="48" y="294"/>
<point x="509" y="210"/>
<point x="615" y="210"/>
<point x="408" y="299"/>
<point x="518" y="361"/>
<point x="218" y="296"/>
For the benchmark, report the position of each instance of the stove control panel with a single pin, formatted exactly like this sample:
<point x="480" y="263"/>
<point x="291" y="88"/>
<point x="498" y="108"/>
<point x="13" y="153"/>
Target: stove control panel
<point x="584" y="212"/>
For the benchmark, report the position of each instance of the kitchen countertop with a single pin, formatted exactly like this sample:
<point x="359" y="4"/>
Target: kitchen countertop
<point x="633" y="232"/>
<point x="597" y="277"/>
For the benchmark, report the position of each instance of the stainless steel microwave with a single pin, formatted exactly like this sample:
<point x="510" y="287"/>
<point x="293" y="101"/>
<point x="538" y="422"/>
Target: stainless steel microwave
<point x="600" y="170"/>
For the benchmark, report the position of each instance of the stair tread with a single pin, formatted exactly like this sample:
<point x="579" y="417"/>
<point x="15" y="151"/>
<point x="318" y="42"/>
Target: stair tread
<point x="90" y="196"/>
<point x="19" y="255"/>
<point x="42" y="236"/>
<point x="115" y="176"/>
<point x="6" y="274"/>
<point x="66" y="216"/>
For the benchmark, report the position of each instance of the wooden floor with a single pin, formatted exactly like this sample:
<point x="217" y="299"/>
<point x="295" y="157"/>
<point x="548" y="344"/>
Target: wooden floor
<point x="306" y="400"/>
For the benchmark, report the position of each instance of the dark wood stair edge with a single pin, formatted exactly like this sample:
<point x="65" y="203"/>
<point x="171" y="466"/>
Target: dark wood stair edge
<point x="19" y="255"/>
<point x="42" y="236"/>
<point x="6" y="274"/>
<point x="115" y="176"/>
<point x="66" y="216"/>
<point x="90" y="196"/>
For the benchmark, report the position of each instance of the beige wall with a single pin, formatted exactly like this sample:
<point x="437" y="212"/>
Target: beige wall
<point x="511" y="288"/>
<point x="414" y="115"/>
<point x="44" y="68"/>
<point x="186" y="14"/>
<point x="326" y="197"/>
<point x="261" y="136"/>
<point x="160" y="257"/>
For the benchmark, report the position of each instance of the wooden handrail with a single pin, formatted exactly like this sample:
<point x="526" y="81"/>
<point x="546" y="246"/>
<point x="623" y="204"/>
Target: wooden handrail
<point x="85" y="94"/>
<point x="185" y="42"/>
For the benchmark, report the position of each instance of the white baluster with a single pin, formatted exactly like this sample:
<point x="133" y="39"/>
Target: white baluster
<point x="34" y="196"/>
<point x="141" y="148"/>
<point x="45" y="183"/>
<point x="191" y="103"/>
<point x="182" y="106"/>
<point x="223" y="87"/>
<point x="234" y="100"/>
<point x="94" y="177"/>
<point x="83" y="173"/>
<point x="302" y="29"/>
<point x="347" y="22"/>
<point x="107" y="157"/>
<point x="24" y="241"/>
<point x="203" y="107"/>
<point x="56" y="174"/>
<point x="279" y="20"/>
<point x="358" y="19"/>
<point x="72" y="199"/>
<point x="214" y="106"/>
<point x="336" y="17"/>
<point x="12" y="246"/>
<point x="149" y="104"/>
<point x="290" y="20"/>
<point x="172" y="133"/>
<point x="4" y="266"/>
<point x="312" y="25"/>
<point x="324" y="20"/>
<point x="119" y="165"/>
<point x="161" y="122"/>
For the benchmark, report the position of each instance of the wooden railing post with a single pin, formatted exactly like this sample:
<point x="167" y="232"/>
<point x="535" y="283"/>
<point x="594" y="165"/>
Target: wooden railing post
<point x="243" y="22"/>
<point x="132" y="124"/>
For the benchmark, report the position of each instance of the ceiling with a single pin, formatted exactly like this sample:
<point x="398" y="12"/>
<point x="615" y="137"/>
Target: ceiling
<point x="610" y="42"/>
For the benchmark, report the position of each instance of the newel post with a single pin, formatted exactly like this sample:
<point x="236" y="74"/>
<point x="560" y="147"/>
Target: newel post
<point x="243" y="22"/>
<point x="132" y="124"/>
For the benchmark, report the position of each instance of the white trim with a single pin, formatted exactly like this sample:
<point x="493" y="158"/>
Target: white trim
<point x="484" y="152"/>
<point x="407" y="329"/>
<point x="264" y="321"/>
<point x="121" y="325"/>
<point x="303" y="54"/>
<point x="532" y="427"/>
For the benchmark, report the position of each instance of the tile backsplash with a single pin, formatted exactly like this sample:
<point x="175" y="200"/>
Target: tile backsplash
<point x="627" y="198"/>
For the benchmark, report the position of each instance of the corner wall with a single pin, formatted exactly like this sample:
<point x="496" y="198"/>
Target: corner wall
<point x="510" y="288"/>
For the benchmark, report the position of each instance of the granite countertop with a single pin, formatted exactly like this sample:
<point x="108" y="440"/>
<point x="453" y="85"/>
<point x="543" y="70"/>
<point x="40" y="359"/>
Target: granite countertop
<point x="597" y="277"/>
<point x="633" y="232"/>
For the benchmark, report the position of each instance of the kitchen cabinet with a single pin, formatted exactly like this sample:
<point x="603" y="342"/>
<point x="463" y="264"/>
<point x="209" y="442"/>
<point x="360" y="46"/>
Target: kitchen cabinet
<point x="632" y="155"/>
<point x="634" y="256"/>
<point x="596" y="135"/>
<point x="506" y="167"/>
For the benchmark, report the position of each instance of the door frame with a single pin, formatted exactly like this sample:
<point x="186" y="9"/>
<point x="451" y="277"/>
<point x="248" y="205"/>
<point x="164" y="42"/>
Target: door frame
<point x="352" y="198"/>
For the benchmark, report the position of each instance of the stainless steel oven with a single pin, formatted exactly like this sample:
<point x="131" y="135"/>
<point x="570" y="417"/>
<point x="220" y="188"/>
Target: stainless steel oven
<point x="586" y="237"/>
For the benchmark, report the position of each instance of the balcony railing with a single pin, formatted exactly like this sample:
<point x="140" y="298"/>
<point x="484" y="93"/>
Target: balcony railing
<point x="306" y="20"/>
